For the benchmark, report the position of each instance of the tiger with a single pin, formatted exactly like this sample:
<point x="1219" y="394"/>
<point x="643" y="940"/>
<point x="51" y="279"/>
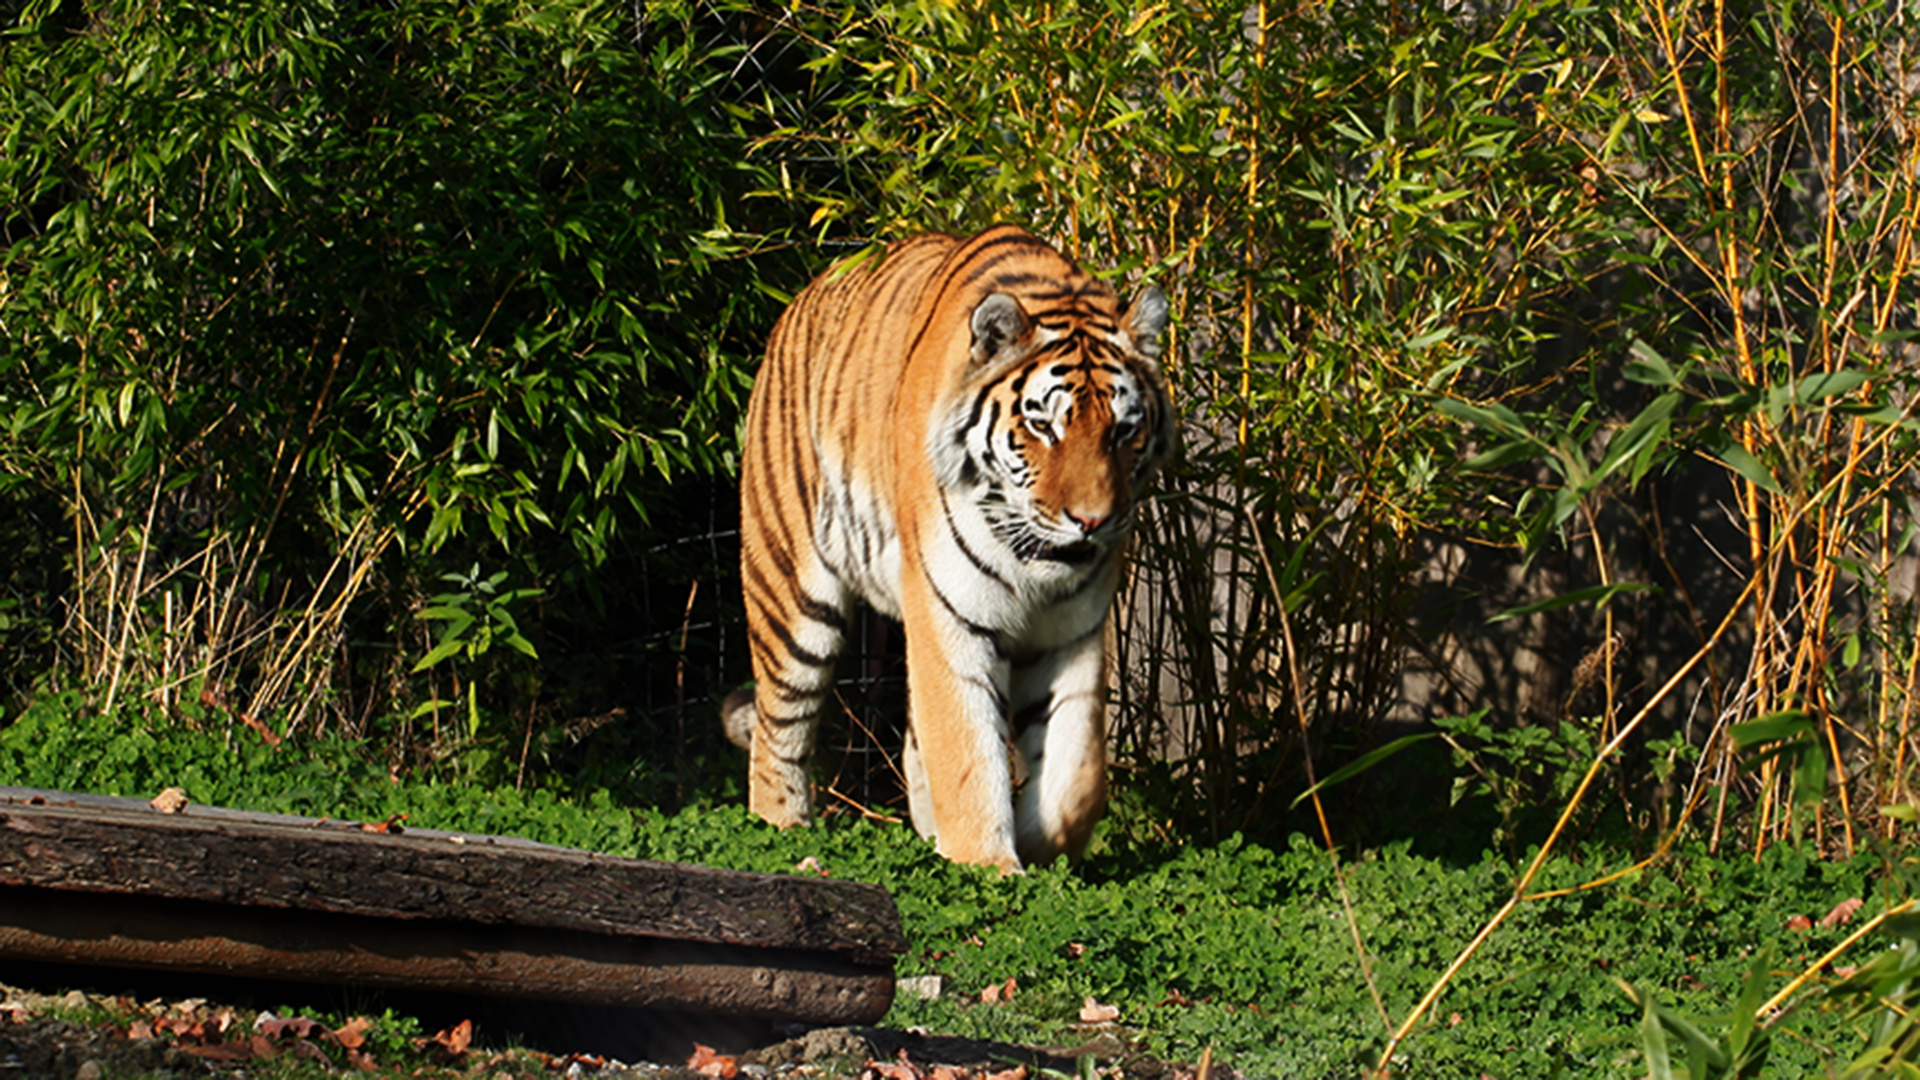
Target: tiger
<point x="957" y="433"/>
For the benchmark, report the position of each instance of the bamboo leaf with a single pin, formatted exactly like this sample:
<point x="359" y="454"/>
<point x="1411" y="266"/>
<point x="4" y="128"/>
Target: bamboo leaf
<point x="437" y="654"/>
<point x="429" y="706"/>
<point x="1648" y="366"/>
<point x="1737" y="458"/>
<point x="1600" y="595"/>
<point x="1817" y="388"/>
<point x="1786" y="724"/>
<point x="1361" y="764"/>
<point x="1653" y="1036"/>
<point x="1753" y="992"/>
<point x="1810" y="774"/>
<point x="1507" y="453"/>
<point x="1647" y="429"/>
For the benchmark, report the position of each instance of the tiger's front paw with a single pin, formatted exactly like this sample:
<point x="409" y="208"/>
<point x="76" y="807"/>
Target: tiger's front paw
<point x="982" y="854"/>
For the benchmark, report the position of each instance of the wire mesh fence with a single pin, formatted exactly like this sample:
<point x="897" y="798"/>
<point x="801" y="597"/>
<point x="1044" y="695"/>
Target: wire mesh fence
<point x="689" y="650"/>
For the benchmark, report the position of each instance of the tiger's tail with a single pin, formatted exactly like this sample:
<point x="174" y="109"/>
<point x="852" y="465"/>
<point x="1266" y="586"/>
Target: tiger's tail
<point x="739" y="716"/>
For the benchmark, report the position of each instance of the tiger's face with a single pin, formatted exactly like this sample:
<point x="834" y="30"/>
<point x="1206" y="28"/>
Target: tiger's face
<point x="1065" y="421"/>
<point x="1080" y="437"/>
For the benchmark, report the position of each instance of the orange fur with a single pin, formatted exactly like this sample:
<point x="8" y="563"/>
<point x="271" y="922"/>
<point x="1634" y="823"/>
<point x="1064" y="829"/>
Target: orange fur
<point x="955" y="434"/>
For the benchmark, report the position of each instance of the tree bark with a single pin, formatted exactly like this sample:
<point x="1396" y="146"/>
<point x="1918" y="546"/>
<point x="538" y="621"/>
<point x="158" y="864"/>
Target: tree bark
<point x="113" y="881"/>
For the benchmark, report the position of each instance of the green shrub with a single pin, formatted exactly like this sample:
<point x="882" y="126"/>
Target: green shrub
<point x="306" y="304"/>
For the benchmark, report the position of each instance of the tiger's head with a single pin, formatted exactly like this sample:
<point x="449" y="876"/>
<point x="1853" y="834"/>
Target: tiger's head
<point x="1060" y="421"/>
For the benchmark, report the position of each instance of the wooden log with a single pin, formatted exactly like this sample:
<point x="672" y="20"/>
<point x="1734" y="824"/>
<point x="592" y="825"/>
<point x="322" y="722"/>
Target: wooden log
<point x="113" y="881"/>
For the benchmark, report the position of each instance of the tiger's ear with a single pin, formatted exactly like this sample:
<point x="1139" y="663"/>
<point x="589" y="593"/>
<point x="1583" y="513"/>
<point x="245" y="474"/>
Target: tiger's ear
<point x="997" y="323"/>
<point x="1146" y="320"/>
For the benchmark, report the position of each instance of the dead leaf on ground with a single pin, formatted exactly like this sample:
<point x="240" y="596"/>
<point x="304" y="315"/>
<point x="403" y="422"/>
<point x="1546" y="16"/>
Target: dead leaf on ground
<point x="1092" y="1012"/>
<point x="1800" y="924"/>
<point x="708" y="1063"/>
<point x="391" y="825"/>
<point x="1018" y="1072"/>
<point x="187" y="1030"/>
<point x="221" y="1051"/>
<point x="298" y="1027"/>
<point x="1842" y="912"/>
<point x="353" y="1033"/>
<point x="171" y="801"/>
<point x="903" y="1069"/>
<point x="15" y="1011"/>
<point x="266" y="733"/>
<point x="455" y="1040"/>
<point x="999" y="991"/>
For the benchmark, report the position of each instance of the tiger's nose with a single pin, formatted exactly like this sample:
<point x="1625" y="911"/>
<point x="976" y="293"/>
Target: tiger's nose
<point x="1087" y="522"/>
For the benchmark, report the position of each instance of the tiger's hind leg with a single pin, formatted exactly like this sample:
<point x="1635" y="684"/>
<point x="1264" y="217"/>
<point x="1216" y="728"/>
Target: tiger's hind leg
<point x="919" y="794"/>
<point x="796" y="624"/>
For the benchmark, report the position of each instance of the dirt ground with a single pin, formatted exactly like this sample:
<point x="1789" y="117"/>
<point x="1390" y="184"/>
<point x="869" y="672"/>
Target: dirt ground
<point x="193" y="1037"/>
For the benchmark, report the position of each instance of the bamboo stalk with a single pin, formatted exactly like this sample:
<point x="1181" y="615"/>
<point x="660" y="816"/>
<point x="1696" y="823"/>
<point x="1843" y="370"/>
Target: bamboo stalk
<point x="1539" y="860"/>
<point x="1813" y="970"/>
<point x="1605" y="753"/>
<point x="1313" y="784"/>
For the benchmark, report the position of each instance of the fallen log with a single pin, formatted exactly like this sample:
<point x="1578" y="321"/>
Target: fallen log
<point x="115" y="882"/>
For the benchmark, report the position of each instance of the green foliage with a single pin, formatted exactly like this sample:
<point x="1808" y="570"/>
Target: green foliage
<point x="469" y="240"/>
<point x="62" y="743"/>
<point x="1236" y="946"/>
<point x="302" y="304"/>
<point x="1755" y="166"/>
<point x="1525" y="773"/>
<point x="1874" y="1000"/>
<point x="1741" y="1052"/>
<point x="1880" y="996"/>
<point x="1789" y="734"/>
<point x="1360" y="214"/>
<point x="471" y="636"/>
<point x="1612" y="249"/>
<point x="298" y="296"/>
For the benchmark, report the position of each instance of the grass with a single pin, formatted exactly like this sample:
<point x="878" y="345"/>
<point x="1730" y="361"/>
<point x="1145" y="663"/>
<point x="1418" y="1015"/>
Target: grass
<point x="1235" y="948"/>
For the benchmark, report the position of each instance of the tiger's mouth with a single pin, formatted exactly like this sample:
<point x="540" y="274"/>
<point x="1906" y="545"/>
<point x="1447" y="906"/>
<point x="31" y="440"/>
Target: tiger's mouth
<point x="1033" y="545"/>
<point x="1077" y="553"/>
